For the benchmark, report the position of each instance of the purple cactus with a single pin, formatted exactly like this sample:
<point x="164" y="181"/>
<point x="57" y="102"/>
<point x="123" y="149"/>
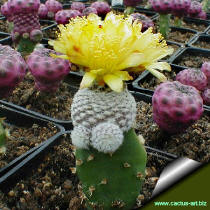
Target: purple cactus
<point x="89" y="10"/>
<point x="63" y="16"/>
<point x="43" y="11"/>
<point x="78" y="6"/>
<point x="195" y="8"/>
<point x="6" y="11"/>
<point x="205" y="68"/>
<point x="102" y="7"/>
<point x="180" y="7"/>
<point x="146" y="21"/>
<point x="176" y="106"/>
<point x="193" y="77"/>
<point x="47" y="71"/>
<point x="131" y="3"/>
<point x="53" y="7"/>
<point x="162" y="6"/>
<point x="206" y="96"/>
<point x="202" y="15"/>
<point x="12" y="71"/>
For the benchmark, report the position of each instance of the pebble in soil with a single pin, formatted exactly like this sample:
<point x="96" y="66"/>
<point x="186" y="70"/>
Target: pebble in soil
<point x="53" y="185"/>
<point x="194" y="143"/>
<point x="24" y="138"/>
<point x="56" y="105"/>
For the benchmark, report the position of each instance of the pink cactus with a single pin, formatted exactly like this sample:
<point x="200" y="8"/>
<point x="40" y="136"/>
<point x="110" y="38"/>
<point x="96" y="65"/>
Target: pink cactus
<point x="78" y="6"/>
<point x="176" y="106"/>
<point x="202" y="15"/>
<point x="43" y="11"/>
<point x="131" y="3"/>
<point x="12" y="71"/>
<point x="63" y="16"/>
<point x="89" y="10"/>
<point x="195" y="8"/>
<point x="146" y="21"/>
<point x="102" y="7"/>
<point x="47" y="71"/>
<point x="193" y="77"/>
<point x="206" y="96"/>
<point x="24" y="14"/>
<point x="180" y="7"/>
<point x="205" y="68"/>
<point x="53" y="7"/>
<point x="162" y="6"/>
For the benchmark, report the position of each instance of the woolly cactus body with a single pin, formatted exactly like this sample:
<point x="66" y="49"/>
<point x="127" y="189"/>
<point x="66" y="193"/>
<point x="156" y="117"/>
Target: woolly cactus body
<point x="205" y="68"/>
<point x="146" y="21"/>
<point x="53" y="6"/>
<point x="48" y="72"/>
<point x="94" y="113"/>
<point x="112" y="181"/>
<point x="12" y="71"/>
<point x="176" y="106"/>
<point x="206" y="96"/>
<point x="193" y="77"/>
<point x="63" y="16"/>
<point x="43" y="11"/>
<point x="78" y="6"/>
<point x="89" y="10"/>
<point x="102" y="7"/>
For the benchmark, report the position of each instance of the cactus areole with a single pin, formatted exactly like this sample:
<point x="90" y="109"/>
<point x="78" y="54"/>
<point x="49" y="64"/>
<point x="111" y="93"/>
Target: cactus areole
<point x="24" y="15"/>
<point x="110" y="160"/>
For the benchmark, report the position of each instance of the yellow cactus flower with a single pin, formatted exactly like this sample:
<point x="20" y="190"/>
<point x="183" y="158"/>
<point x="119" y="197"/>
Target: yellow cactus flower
<point x="110" y="49"/>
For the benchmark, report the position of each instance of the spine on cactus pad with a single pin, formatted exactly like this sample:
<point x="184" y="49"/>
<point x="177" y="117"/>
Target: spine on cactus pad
<point x="112" y="181"/>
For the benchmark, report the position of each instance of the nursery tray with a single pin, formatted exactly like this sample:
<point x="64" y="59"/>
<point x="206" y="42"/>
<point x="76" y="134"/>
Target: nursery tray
<point x="3" y="36"/>
<point x="201" y="55"/>
<point x="17" y="119"/>
<point x="204" y="41"/>
<point x="54" y="169"/>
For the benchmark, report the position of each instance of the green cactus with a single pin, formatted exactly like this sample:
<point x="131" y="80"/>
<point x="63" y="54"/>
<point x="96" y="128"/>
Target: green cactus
<point x="3" y="136"/>
<point x="112" y="181"/>
<point x="164" y="24"/>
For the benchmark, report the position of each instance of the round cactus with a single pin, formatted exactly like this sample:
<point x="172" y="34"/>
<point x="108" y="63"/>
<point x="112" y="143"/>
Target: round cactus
<point x="162" y="6"/>
<point x="176" y="106"/>
<point x="12" y="71"/>
<point x="202" y="15"/>
<point x="89" y="10"/>
<point x="205" y="68"/>
<point x="53" y="7"/>
<point x="180" y="7"/>
<point x="63" y="16"/>
<point x="146" y="21"/>
<point x="78" y="6"/>
<point x="102" y="7"/>
<point x="43" y="11"/>
<point x="206" y="96"/>
<point x="195" y="8"/>
<point x="47" y="71"/>
<point x="193" y="77"/>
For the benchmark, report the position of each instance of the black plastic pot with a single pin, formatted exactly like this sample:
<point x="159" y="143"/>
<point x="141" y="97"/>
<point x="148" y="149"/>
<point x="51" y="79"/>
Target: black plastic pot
<point x="49" y="23"/>
<point x="190" y="51"/>
<point x="200" y="38"/>
<point x="4" y="36"/>
<point x="20" y="119"/>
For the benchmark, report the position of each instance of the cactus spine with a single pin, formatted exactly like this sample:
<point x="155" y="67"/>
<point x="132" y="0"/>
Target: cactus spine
<point x="112" y="181"/>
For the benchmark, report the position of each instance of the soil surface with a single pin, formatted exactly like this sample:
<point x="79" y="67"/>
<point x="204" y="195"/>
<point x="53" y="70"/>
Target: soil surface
<point x="53" y="185"/>
<point x="194" y="143"/>
<point x="175" y="47"/>
<point x="51" y="33"/>
<point x="202" y="44"/>
<point x="56" y="105"/>
<point x="22" y="139"/>
<point x="192" y="60"/>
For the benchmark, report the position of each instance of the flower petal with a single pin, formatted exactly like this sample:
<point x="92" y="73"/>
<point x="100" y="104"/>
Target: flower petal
<point x="160" y="66"/>
<point x="114" y="82"/>
<point x="124" y="75"/>
<point x="87" y="80"/>
<point x="157" y="74"/>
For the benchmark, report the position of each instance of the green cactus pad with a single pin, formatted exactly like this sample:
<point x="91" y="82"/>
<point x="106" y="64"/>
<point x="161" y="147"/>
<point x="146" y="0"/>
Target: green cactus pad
<point x="113" y="181"/>
<point x="3" y="137"/>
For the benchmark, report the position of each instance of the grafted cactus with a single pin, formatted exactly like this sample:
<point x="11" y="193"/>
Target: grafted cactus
<point x="24" y="15"/>
<point x="3" y="137"/>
